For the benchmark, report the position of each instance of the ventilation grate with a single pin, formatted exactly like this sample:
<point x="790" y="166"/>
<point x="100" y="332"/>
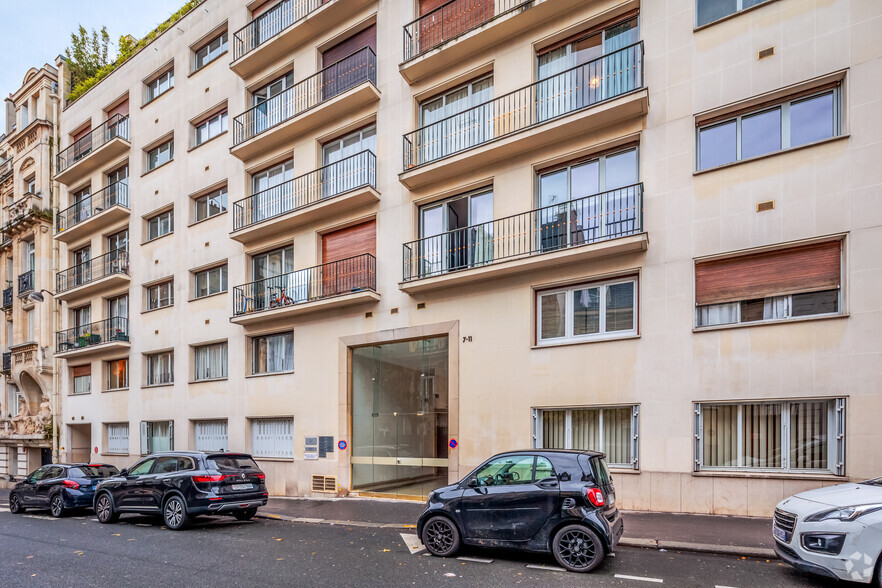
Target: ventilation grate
<point x="764" y="206"/>
<point x="324" y="484"/>
<point x="767" y="52"/>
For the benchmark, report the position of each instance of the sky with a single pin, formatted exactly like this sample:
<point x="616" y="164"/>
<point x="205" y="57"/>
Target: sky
<point x="36" y="31"/>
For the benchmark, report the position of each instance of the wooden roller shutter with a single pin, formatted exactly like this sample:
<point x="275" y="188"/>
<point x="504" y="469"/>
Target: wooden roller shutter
<point x="361" y="39"/>
<point x="452" y="20"/>
<point x="82" y="370"/>
<point x="807" y="268"/>
<point x="121" y="109"/>
<point x="351" y="272"/>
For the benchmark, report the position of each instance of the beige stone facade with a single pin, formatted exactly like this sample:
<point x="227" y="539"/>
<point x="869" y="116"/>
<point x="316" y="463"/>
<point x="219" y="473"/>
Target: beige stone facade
<point x="398" y="327"/>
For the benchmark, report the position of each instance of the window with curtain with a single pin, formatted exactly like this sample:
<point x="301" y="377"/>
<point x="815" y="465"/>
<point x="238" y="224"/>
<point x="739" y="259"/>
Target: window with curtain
<point x="272" y="438"/>
<point x="160" y="368"/>
<point x="82" y="379"/>
<point x="272" y="353"/>
<point x="117" y="438"/>
<point x="117" y="374"/>
<point x="210" y="362"/>
<point x="156" y="436"/>
<point x="211" y="281"/>
<point x="161" y="224"/>
<point x="612" y="430"/>
<point x="794" y="436"/>
<point x="211" y="435"/>
<point x="587" y="311"/>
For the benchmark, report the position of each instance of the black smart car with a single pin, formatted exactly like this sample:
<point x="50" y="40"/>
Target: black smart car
<point x="182" y="484"/>
<point x="59" y="487"/>
<point x="557" y="501"/>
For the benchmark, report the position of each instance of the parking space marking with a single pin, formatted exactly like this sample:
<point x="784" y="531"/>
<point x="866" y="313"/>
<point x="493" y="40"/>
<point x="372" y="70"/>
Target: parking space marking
<point x="641" y="578"/>
<point x="546" y="568"/>
<point x="475" y="559"/>
<point x="414" y="545"/>
<point x="41" y="517"/>
<point x="718" y="586"/>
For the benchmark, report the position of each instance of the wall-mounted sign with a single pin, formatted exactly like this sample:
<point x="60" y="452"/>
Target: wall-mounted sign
<point x="453" y="443"/>
<point x="326" y="446"/>
<point x="310" y="456"/>
<point x="342" y="445"/>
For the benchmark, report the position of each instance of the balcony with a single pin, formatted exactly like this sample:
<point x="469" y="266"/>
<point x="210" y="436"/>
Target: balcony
<point x="271" y="36"/>
<point x="335" y="188"/>
<point x="329" y="95"/>
<point x="461" y="28"/>
<point x="103" y="338"/>
<point x="7" y="362"/>
<point x="333" y="285"/>
<point x="95" y="213"/>
<point x="577" y="101"/>
<point x="25" y="283"/>
<point x="97" y="149"/>
<point x="102" y="273"/>
<point x="604" y="224"/>
<point x="7" y="297"/>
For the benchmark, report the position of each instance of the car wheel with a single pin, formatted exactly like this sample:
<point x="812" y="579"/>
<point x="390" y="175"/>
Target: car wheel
<point x="441" y="537"/>
<point x="577" y="548"/>
<point x="56" y="506"/>
<point x="175" y="513"/>
<point x="244" y="515"/>
<point x="879" y="572"/>
<point x="15" y="506"/>
<point x="104" y="510"/>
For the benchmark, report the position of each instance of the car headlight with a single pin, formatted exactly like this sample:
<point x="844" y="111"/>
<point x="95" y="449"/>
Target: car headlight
<point x="431" y="496"/>
<point x="845" y="513"/>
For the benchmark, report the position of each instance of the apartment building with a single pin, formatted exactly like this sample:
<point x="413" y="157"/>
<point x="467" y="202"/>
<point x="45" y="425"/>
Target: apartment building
<point x="27" y="148"/>
<point x="374" y="242"/>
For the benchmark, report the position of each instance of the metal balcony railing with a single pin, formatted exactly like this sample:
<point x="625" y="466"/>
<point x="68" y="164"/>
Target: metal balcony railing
<point x="7" y="362"/>
<point x="334" y="179"/>
<point x="108" y="330"/>
<point x="452" y="20"/>
<point x="113" y="262"/>
<point x="608" y="215"/>
<point x="271" y="23"/>
<point x="116" y="194"/>
<point x="7" y="297"/>
<point x="116" y="126"/>
<point x="581" y="87"/>
<point x="26" y="282"/>
<point x="336" y="278"/>
<point x="332" y="81"/>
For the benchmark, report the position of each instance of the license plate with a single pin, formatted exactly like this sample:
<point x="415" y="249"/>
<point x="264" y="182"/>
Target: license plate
<point x="779" y="534"/>
<point x="242" y="486"/>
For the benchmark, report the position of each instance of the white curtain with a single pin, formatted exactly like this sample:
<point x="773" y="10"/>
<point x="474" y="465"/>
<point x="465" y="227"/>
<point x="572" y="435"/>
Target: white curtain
<point x="211" y="362"/>
<point x="718" y="314"/>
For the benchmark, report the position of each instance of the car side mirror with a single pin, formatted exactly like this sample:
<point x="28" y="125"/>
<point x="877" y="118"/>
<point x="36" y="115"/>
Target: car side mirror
<point x="124" y="472"/>
<point x="472" y="482"/>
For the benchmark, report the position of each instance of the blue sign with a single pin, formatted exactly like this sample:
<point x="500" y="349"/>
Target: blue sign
<point x="342" y="445"/>
<point x="452" y="443"/>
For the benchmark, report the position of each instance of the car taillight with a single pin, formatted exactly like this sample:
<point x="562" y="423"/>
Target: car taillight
<point x="260" y="476"/>
<point x="595" y="496"/>
<point x="70" y="484"/>
<point x="208" y="479"/>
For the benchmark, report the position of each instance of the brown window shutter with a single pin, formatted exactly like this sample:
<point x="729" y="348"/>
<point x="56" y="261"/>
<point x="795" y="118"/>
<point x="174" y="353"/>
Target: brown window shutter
<point x="350" y="242"/>
<point x="806" y="268"/>
<point x="364" y="38"/>
<point x="81" y="134"/>
<point x="121" y="109"/>
<point x="82" y="370"/>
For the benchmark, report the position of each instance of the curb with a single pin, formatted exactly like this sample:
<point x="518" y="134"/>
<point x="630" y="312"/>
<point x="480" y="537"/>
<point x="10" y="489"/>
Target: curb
<point x="278" y="517"/>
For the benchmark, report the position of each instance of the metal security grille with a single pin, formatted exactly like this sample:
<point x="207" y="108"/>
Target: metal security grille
<point x="118" y="438"/>
<point x="272" y="438"/>
<point x="324" y="484"/>
<point x="211" y="436"/>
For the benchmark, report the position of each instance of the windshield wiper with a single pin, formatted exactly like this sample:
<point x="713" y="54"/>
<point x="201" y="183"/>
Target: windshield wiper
<point x="873" y="482"/>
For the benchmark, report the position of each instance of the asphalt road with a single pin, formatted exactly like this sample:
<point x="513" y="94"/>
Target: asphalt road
<point x="36" y="550"/>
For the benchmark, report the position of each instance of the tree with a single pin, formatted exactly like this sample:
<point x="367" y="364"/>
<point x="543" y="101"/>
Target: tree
<point x="87" y="54"/>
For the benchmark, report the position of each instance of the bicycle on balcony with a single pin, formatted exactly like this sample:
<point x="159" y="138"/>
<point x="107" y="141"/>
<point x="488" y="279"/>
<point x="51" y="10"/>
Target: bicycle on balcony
<point x="279" y="298"/>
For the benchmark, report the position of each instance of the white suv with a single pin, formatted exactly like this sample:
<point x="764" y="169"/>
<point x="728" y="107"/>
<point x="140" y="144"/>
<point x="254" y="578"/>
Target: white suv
<point x="834" y="531"/>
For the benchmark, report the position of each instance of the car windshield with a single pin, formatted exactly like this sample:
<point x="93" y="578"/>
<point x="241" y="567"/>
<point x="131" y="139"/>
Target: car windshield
<point x="236" y="462"/>
<point x="93" y="471"/>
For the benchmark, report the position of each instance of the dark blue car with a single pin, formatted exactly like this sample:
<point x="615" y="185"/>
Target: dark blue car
<point x="59" y="487"/>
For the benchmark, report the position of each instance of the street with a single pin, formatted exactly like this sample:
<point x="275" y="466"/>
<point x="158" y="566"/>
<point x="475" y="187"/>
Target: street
<point x="37" y="550"/>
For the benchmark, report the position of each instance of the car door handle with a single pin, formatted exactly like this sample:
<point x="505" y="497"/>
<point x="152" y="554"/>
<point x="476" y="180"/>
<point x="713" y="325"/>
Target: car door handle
<point x="547" y="483"/>
<point x="139" y="483"/>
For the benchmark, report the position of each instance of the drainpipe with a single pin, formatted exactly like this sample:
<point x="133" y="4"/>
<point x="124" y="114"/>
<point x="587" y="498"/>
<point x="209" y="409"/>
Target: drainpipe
<point x="53" y="205"/>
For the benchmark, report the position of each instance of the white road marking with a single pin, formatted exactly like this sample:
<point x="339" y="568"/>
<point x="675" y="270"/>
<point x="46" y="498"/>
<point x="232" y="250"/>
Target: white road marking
<point x="475" y="559"/>
<point x="546" y="568"/>
<point x="41" y="517"/>
<point x="642" y="579"/>
<point x="414" y="545"/>
<point x="718" y="586"/>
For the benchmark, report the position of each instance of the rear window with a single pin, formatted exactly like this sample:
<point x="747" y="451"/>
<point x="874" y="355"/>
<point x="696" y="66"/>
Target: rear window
<point x="93" y="471"/>
<point x="601" y="471"/>
<point x="235" y="462"/>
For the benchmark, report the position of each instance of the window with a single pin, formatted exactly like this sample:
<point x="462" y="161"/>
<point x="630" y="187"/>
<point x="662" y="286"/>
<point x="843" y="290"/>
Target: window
<point x="30" y="324"/>
<point x="160" y="225"/>
<point x="783" y="284"/>
<point x="272" y="438"/>
<point x="793" y="435"/>
<point x="612" y="430"/>
<point x="161" y="154"/>
<point x="211" y="281"/>
<point x="272" y="353"/>
<point x="160" y="85"/>
<point x="796" y="122"/>
<point x="118" y="241"/>
<point x="211" y="435"/>
<point x="209" y="205"/>
<point x="117" y="438"/>
<point x="272" y="190"/>
<point x="82" y="319"/>
<point x="160" y="295"/>
<point x="447" y="242"/>
<point x="161" y="368"/>
<point x="117" y="374"/>
<point x="156" y="436"/>
<point x="82" y="379"/>
<point x="31" y="186"/>
<point x="511" y="470"/>
<point x="211" y="362"/>
<point x="211" y="128"/>
<point x="587" y="311"/>
<point x="458" y="119"/>
<point x="208" y="53"/>
<point x="707" y="11"/>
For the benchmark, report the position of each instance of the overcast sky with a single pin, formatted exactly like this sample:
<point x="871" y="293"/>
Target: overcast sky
<point x="36" y="31"/>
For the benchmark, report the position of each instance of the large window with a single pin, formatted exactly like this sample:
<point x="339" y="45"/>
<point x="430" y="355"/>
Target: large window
<point x="211" y="435"/>
<point x="612" y="430"/>
<point x="793" y="435"/>
<point x="272" y="438"/>
<point x="209" y="205"/>
<point x="157" y="436"/>
<point x="707" y="11"/>
<point x="161" y="154"/>
<point x="587" y="311"/>
<point x="210" y="362"/>
<point x="211" y="281"/>
<point x="160" y="295"/>
<point x="117" y="438"/>
<point x="160" y="85"/>
<point x="160" y="225"/>
<point x="789" y="124"/>
<point x="211" y="51"/>
<point x="272" y="353"/>
<point x="457" y="232"/>
<point x="160" y="368"/>
<point x="211" y="128"/>
<point x="82" y="379"/>
<point x="117" y="374"/>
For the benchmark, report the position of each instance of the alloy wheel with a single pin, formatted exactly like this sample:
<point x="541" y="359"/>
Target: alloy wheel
<point x="439" y="535"/>
<point x="103" y="509"/>
<point x="57" y="506"/>
<point x="174" y="513"/>
<point x="14" y="504"/>
<point x="577" y="548"/>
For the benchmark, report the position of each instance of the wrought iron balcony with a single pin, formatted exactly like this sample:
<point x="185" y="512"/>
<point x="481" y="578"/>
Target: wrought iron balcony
<point x="575" y="223"/>
<point x="575" y="89"/>
<point x="7" y="362"/>
<point x="26" y="283"/>
<point x="116" y="194"/>
<point x="116" y="126"/>
<point x="272" y="22"/>
<point x="7" y="297"/>
<point x="113" y="262"/>
<point x="349" y="72"/>
<point x="97" y="333"/>
<point x="332" y="180"/>
<point x="328" y="280"/>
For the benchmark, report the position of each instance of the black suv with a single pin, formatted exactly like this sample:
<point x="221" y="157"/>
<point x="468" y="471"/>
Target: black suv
<point x="59" y="487"/>
<point x="556" y="501"/>
<point x="182" y="484"/>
